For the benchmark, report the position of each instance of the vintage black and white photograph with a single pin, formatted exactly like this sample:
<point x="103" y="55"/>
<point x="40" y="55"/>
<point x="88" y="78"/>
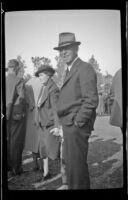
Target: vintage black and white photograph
<point x="64" y="124"/>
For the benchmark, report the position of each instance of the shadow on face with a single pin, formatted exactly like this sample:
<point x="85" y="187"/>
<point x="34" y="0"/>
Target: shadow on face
<point x="69" y="53"/>
<point x="43" y="77"/>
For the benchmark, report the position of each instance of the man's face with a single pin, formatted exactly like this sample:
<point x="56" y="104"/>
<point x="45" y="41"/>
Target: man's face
<point x="43" y="78"/>
<point x="68" y="54"/>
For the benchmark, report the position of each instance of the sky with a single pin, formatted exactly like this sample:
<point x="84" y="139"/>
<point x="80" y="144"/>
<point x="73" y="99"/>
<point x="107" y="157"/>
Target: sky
<point x="36" y="33"/>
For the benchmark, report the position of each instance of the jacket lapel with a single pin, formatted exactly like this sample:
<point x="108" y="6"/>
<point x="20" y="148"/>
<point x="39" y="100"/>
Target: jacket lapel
<point x="72" y="71"/>
<point x="44" y="95"/>
<point x="45" y="92"/>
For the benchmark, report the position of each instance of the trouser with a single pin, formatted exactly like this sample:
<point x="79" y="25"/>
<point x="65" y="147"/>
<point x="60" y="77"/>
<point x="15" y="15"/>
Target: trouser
<point x="15" y="143"/>
<point x="75" y="156"/>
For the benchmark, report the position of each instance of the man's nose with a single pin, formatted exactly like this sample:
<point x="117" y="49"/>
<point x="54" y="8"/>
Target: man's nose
<point x="63" y="51"/>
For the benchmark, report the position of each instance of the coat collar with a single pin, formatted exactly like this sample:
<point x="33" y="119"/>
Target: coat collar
<point x="72" y="71"/>
<point x="46" y="91"/>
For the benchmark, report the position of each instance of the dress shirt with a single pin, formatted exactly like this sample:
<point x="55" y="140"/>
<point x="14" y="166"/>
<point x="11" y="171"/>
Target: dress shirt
<point x="70" y="66"/>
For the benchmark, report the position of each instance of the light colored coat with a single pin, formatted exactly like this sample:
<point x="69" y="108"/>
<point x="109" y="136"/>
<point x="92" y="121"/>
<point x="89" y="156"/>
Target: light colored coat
<point x="116" y="93"/>
<point x="100" y="108"/>
<point x="32" y="87"/>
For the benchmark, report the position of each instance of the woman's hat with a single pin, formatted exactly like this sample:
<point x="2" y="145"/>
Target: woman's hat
<point x="47" y="69"/>
<point x="66" y="39"/>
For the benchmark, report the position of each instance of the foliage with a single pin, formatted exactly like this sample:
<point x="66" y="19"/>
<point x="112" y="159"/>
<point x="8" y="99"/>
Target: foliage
<point x="107" y="82"/>
<point x="100" y="80"/>
<point x="37" y="61"/>
<point x="59" y="71"/>
<point x="21" y="62"/>
<point x="27" y="77"/>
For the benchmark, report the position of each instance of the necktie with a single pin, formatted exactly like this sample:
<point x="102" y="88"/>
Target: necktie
<point x="67" y="71"/>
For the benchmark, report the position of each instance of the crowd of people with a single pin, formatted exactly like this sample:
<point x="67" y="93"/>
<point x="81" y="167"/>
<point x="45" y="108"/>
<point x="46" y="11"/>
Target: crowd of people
<point x="44" y="119"/>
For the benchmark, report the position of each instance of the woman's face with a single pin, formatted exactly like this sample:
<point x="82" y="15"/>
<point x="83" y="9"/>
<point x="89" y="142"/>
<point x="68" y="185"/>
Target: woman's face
<point x="43" y="78"/>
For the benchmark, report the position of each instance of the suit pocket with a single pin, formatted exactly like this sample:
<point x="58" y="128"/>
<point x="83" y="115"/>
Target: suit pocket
<point x="69" y="119"/>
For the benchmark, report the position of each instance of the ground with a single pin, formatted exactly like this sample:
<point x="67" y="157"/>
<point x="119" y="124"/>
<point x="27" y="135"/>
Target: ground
<point x="105" y="158"/>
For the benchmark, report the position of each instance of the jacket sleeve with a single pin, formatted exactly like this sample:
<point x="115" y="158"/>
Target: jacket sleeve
<point x="53" y="100"/>
<point x="20" y="89"/>
<point x="88" y="86"/>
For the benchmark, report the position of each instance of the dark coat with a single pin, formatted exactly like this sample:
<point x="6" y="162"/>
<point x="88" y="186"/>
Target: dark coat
<point x="16" y="121"/>
<point x="47" y="110"/>
<point x="78" y="97"/>
<point x="77" y="103"/>
<point x="37" y="137"/>
<point x="49" y="119"/>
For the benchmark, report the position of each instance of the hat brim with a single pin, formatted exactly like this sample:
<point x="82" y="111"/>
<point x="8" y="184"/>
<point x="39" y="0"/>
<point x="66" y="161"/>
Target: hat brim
<point x="67" y="44"/>
<point x="50" y="71"/>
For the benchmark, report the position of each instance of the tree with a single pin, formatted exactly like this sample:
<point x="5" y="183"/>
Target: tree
<point x="107" y="82"/>
<point x="21" y="61"/>
<point x="37" y="61"/>
<point x="100" y="80"/>
<point x="27" y="77"/>
<point x="60" y="70"/>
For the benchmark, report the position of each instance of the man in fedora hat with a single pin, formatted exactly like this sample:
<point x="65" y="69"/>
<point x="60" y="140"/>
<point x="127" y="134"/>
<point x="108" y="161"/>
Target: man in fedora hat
<point x="76" y="109"/>
<point x="42" y="124"/>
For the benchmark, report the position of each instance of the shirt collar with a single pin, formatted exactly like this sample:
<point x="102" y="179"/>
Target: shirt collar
<point x="69" y="66"/>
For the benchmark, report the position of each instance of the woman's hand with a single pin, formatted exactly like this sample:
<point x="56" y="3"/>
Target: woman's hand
<point x="55" y="131"/>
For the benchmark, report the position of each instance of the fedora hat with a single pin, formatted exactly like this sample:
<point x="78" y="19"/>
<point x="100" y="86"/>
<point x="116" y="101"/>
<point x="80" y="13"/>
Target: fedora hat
<point x="66" y="39"/>
<point x="47" y="69"/>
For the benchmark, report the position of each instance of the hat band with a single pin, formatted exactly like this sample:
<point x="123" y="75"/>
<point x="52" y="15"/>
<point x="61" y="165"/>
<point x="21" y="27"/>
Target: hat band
<point x="66" y="43"/>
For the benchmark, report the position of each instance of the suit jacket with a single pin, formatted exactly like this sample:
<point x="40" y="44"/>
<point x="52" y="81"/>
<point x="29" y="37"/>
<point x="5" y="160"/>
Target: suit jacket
<point x="116" y="93"/>
<point x="79" y="97"/>
<point x="15" y="103"/>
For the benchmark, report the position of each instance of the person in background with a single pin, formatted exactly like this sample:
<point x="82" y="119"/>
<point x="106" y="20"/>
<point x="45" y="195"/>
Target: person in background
<point x="76" y="108"/>
<point x="42" y="125"/>
<point x="15" y="117"/>
<point x="100" y="108"/>
<point x="116" y="96"/>
<point x="32" y="89"/>
<point x="106" y="109"/>
<point x="116" y="116"/>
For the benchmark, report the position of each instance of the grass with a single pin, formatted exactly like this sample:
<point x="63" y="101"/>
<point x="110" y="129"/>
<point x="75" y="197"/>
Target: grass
<point x="98" y="151"/>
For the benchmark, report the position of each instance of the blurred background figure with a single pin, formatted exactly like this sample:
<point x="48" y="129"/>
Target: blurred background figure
<point x="100" y="108"/>
<point x="116" y="96"/>
<point x="105" y="104"/>
<point x="15" y="116"/>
